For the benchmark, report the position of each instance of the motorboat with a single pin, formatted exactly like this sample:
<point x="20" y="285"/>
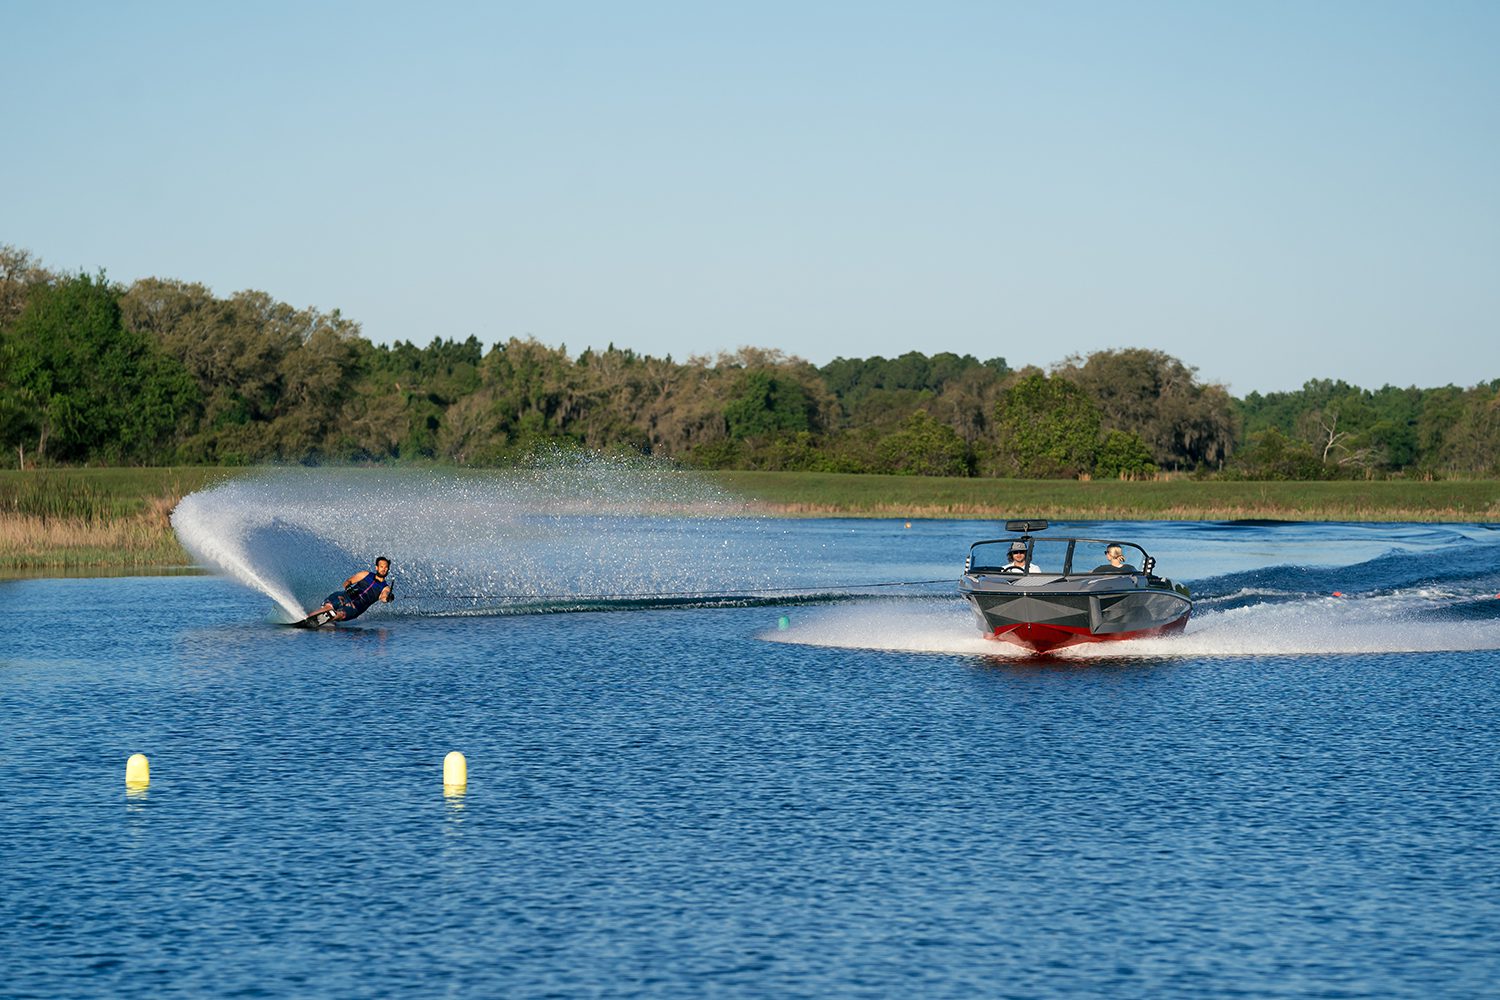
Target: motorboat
<point x="1047" y="593"/>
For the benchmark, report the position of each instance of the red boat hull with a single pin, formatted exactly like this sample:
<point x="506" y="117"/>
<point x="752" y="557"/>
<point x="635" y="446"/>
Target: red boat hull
<point x="1043" y="638"/>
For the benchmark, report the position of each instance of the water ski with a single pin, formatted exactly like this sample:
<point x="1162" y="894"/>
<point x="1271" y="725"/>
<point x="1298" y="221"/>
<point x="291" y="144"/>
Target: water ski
<point x="315" y="620"/>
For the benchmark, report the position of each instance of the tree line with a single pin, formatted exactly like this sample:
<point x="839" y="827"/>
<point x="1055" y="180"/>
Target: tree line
<point x="165" y="372"/>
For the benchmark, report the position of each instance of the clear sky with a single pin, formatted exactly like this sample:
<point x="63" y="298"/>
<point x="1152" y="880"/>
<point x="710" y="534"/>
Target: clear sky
<point x="1270" y="191"/>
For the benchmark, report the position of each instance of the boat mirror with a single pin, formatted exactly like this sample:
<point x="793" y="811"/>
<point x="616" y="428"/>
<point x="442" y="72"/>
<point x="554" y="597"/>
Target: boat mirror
<point x="1026" y="527"/>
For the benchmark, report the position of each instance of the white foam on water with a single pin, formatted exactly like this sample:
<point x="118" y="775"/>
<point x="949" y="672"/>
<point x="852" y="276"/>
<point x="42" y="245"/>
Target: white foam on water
<point x="904" y="626"/>
<point x="212" y="525"/>
<point x="569" y="526"/>
<point x="1400" y="622"/>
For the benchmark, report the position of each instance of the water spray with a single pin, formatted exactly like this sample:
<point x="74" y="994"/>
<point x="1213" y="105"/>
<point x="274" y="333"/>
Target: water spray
<point x="574" y="532"/>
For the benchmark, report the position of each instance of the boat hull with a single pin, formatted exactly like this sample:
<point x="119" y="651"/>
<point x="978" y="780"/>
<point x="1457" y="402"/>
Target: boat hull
<point x="1044" y="638"/>
<point x="1046" y="614"/>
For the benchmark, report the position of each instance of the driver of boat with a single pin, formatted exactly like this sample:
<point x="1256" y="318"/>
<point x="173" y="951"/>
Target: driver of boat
<point x="1018" y="560"/>
<point x="1117" y="563"/>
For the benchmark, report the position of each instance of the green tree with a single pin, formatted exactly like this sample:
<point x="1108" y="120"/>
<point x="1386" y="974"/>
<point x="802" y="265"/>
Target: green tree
<point x="967" y="402"/>
<point x="275" y="381"/>
<point x="1442" y="410"/>
<point x="407" y="392"/>
<point x="232" y="348"/>
<point x="1158" y="398"/>
<point x="20" y="272"/>
<point x="924" y="447"/>
<point x="95" y="391"/>
<point x="1123" y="455"/>
<point x="1271" y="455"/>
<point x="1471" y="447"/>
<point x="764" y="403"/>
<point x="1355" y="430"/>
<point x="317" y="378"/>
<point x="1393" y="430"/>
<point x="876" y="395"/>
<point x="19" y="428"/>
<point x="1046" y="428"/>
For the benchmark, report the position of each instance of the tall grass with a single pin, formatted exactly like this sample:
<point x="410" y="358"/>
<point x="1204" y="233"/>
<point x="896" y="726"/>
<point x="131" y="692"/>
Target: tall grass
<point x="48" y="496"/>
<point x="100" y="518"/>
<point x="27" y="541"/>
<point x="814" y="494"/>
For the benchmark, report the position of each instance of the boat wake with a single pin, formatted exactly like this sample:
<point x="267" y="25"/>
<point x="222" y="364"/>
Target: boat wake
<point x="1424" y="590"/>
<point x="1424" y="619"/>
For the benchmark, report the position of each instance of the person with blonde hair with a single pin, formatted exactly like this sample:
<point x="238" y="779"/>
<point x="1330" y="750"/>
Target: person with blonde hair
<point x="1116" y="560"/>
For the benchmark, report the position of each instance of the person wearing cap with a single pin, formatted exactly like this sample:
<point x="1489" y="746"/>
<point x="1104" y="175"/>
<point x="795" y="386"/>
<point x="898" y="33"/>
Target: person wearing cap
<point x="1018" y="563"/>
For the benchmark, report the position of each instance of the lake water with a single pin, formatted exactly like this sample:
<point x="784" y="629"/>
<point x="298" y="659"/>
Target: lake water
<point x="777" y="795"/>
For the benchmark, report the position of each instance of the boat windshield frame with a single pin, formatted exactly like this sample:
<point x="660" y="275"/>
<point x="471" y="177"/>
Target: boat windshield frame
<point x="1144" y="567"/>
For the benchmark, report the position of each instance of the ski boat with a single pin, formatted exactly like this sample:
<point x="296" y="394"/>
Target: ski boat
<point x="1046" y="593"/>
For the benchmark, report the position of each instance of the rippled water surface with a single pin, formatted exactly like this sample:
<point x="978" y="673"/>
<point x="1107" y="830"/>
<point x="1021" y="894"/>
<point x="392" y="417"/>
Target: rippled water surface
<point x="1298" y="797"/>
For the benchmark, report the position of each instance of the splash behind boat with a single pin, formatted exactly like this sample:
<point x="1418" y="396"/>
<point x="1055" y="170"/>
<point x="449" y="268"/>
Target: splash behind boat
<point x="1061" y="591"/>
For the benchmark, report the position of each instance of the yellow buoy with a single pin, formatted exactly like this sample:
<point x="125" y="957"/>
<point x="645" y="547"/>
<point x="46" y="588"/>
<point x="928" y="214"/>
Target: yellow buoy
<point x="455" y="770"/>
<point x="137" y="771"/>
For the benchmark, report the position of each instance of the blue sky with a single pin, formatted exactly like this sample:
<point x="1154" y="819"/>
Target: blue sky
<point x="1270" y="191"/>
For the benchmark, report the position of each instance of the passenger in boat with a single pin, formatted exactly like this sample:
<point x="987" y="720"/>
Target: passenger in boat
<point x="1018" y="560"/>
<point x="1117" y="563"/>
<point x="360" y="591"/>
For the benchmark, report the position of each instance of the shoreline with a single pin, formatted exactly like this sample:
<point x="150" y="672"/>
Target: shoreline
<point x="1227" y="515"/>
<point x="111" y="521"/>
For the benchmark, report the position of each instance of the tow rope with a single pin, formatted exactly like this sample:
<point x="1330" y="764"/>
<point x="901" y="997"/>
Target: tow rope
<point x="847" y="588"/>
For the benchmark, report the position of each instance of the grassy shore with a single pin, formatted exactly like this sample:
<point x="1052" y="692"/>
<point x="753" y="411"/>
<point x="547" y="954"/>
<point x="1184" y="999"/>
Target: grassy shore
<point x="71" y="520"/>
<point x="816" y="494"/>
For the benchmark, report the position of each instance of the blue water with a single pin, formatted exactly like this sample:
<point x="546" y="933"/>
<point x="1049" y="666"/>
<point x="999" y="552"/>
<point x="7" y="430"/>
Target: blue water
<point x="1298" y="797"/>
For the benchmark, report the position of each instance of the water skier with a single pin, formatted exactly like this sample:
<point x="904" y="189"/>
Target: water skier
<point x="360" y="591"/>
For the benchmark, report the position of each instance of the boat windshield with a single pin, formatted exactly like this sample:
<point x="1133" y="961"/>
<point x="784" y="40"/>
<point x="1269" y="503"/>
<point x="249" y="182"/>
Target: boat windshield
<point x="1065" y="556"/>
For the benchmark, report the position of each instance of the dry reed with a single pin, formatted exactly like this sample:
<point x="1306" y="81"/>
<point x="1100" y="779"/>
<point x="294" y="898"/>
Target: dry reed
<point x="142" y="538"/>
